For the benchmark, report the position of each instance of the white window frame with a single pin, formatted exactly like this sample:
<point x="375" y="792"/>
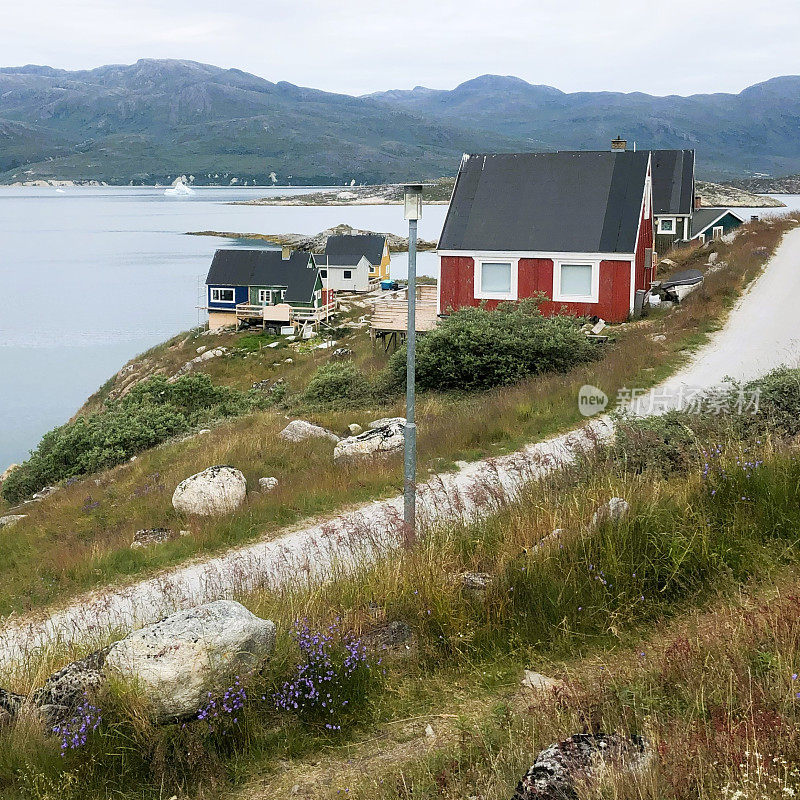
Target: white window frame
<point x="594" y="297"/>
<point x="230" y="289"/>
<point x="661" y="222"/>
<point x="499" y="259"/>
<point x="347" y="274"/>
<point x="265" y="296"/>
<point x="718" y="231"/>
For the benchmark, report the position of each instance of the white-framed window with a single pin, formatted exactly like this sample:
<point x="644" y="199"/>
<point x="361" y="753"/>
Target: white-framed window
<point x="718" y="232"/>
<point x="219" y="295"/>
<point x="576" y="281"/>
<point x="348" y="274"/>
<point x="323" y="273"/>
<point x="265" y="297"/>
<point x="283" y="295"/>
<point x="666" y="225"/>
<point x="318" y="294"/>
<point x="496" y="278"/>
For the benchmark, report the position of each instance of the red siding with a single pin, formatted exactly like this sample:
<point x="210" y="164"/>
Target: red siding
<point x="643" y="276"/>
<point x="457" y="277"/>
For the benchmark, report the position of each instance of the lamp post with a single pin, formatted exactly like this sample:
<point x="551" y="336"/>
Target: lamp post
<point x="412" y="197"/>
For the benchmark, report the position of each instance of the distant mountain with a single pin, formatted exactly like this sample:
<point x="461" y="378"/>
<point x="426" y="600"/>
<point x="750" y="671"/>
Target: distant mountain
<point x="734" y="134"/>
<point x="156" y="119"/>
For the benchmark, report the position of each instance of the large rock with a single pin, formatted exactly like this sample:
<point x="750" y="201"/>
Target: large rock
<point x="561" y="768"/>
<point x="153" y="536"/>
<point x="384" y="421"/>
<point x="11" y="519"/>
<point x="299" y="430"/>
<point x="175" y="663"/>
<point x="374" y="443"/>
<point x="212" y="492"/>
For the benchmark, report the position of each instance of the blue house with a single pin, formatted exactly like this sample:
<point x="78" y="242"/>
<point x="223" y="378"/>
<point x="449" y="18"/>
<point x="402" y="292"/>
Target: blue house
<point x="268" y="287"/>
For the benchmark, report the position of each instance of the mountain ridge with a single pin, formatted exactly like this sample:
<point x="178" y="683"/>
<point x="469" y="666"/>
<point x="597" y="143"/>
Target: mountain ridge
<point x="155" y="119"/>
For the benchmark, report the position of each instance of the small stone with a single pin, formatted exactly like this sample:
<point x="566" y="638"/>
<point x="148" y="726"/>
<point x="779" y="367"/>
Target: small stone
<point x="658" y="337"/>
<point x="151" y="536"/>
<point x="538" y="682"/>
<point x="203" y="431"/>
<point x="267" y="484"/>
<point x="288" y="361"/>
<point x="201" y="349"/>
<point x="476" y="581"/>
<point x="45" y="492"/>
<point x="612" y="511"/>
<point x="299" y="430"/>
<point x="341" y="352"/>
<point x="430" y="733"/>
<point x="355" y="429"/>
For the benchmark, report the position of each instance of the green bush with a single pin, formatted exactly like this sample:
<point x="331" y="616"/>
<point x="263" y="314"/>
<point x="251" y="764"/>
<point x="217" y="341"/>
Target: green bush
<point x="477" y="348"/>
<point x="148" y="415"/>
<point x="337" y="383"/>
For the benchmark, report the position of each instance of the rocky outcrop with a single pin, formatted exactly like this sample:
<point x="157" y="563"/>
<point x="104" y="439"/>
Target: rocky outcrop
<point x="175" y="663"/>
<point x="172" y="665"/>
<point x="204" y="356"/>
<point x="7" y="472"/>
<point x="615" y="509"/>
<point x="719" y="195"/>
<point x="214" y="491"/>
<point x="299" y="430"/>
<point x="375" y="443"/>
<point x="560" y="769"/>
<point x="11" y="519"/>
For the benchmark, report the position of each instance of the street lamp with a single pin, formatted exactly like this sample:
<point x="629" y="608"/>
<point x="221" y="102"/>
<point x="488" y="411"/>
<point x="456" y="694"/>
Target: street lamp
<point x="412" y="201"/>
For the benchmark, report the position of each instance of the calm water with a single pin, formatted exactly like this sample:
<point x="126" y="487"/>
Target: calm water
<point x="90" y="277"/>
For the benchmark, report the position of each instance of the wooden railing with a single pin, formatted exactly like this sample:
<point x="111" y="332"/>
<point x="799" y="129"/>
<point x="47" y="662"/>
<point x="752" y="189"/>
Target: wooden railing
<point x="390" y="311"/>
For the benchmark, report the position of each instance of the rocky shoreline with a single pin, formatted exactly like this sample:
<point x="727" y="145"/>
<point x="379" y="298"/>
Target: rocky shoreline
<point x="316" y="243"/>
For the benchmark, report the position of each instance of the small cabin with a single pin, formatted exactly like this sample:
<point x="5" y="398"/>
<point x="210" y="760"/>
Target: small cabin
<point x="270" y="287"/>
<point x="347" y="253"/>
<point x="576" y="227"/>
<point x="713" y="223"/>
<point x="340" y="274"/>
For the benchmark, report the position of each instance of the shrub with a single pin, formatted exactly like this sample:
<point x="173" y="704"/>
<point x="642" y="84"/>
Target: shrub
<point x="148" y="415"/>
<point x="477" y="348"/>
<point x="335" y="383"/>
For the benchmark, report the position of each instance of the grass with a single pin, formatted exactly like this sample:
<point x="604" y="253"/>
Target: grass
<point x="678" y="621"/>
<point x="79" y="538"/>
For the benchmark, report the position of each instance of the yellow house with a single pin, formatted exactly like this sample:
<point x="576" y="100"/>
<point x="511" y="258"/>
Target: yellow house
<point x="372" y="246"/>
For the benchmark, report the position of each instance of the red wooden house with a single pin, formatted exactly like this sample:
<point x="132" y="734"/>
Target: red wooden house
<point x="574" y="226"/>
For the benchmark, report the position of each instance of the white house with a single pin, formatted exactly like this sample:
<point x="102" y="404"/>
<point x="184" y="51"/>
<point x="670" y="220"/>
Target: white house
<point x="344" y="273"/>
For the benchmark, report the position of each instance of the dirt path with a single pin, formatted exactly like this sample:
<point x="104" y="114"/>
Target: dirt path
<point x="759" y="335"/>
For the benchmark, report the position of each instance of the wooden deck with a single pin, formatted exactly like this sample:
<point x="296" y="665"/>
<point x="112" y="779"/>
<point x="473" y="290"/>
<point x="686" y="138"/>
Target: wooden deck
<point x="390" y="314"/>
<point x="284" y="314"/>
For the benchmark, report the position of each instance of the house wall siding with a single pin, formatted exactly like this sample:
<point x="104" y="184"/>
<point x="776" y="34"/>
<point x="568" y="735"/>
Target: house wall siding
<point x="240" y="296"/>
<point x="457" y="276"/>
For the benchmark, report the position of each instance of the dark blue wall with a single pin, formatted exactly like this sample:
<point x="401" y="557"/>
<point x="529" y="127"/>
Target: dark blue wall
<point x="241" y="295"/>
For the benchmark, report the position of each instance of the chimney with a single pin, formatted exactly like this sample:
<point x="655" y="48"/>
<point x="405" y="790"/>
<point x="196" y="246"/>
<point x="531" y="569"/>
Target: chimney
<point x="286" y="252"/>
<point x="619" y="144"/>
<point x="698" y="201"/>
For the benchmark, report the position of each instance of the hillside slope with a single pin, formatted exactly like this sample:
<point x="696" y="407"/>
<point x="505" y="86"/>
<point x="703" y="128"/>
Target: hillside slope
<point x="156" y="119"/>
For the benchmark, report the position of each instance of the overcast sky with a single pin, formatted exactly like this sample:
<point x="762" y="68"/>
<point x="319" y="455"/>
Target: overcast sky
<point x="358" y="46"/>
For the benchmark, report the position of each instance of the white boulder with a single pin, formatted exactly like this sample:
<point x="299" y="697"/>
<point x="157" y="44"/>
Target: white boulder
<point x="267" y="484"/>
<point x="299" y="430"/>
<point x="615" y="509"/>
<point x="374" y="443"/>
<point x="175" y="663"/>
<point x="384" y="421"/>
<point x="212" y="492"/>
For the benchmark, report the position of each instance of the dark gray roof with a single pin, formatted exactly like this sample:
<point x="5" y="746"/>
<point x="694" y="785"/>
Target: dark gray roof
<point x="353" y="246"/>
<point x="673" y="181"/>
<point x="241" y="267"/>
<point x="336" y="261"/>
<point x="705" y="217"/>
<point x="578" y="202"/>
